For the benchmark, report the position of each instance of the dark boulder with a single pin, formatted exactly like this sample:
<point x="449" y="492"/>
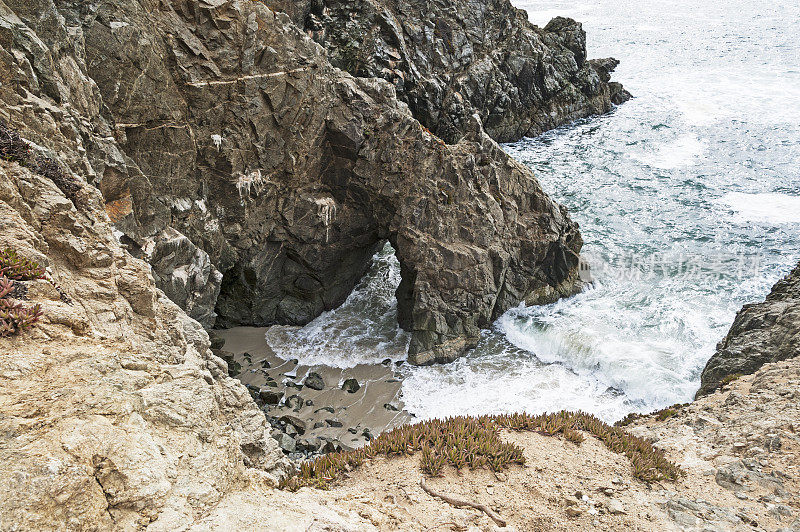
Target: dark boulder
<point x="314" y="381"/>
<point x="270" y="397"/>
<point x="351" y="385"/>
<point x="761" y="333"/>
<point x="295" y="422"/>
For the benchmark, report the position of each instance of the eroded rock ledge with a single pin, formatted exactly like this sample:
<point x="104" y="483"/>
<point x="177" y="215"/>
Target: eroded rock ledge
<point x="258" y="180"/>
<point x="761" y="333"/>
<point x="450" y="59"/>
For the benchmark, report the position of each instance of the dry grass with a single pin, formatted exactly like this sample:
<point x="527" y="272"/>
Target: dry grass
<point x="660" y="415"/>
<point x="729" y="379"/>
<point x="475" y="442"/>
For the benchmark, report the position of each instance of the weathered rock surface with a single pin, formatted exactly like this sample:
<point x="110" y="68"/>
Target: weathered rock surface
<point x="761" y="333"/>
<point x="224" y="141"/>
<point x="114" y="414"/>
<point x="449" y="59"/>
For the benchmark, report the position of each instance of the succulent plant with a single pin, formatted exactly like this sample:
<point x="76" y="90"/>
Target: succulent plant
<point x="14" y="318"/>
<point x="475" y="442"/>
<point x="18" y="268"/>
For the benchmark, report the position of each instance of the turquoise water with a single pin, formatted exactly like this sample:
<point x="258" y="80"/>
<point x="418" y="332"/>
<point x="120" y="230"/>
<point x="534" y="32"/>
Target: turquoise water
<point x="688" y="197"/>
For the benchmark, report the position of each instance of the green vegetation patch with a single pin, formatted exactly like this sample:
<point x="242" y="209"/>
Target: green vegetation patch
<point x="14" y="317"/>
<point x="475" y="442"/>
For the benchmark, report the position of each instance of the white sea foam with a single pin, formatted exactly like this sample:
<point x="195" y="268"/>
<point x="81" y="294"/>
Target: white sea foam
<point x="680" y="152"/>
<point x="768" y="207"/>
<point x="363" y="330"/>
<point x="699" y="112"/>
<point x="507" y="382"/>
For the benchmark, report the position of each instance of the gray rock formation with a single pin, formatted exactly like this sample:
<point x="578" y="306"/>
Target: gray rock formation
<point x="224" y="141"/>
<point x="761" y="333"/>
<point x="449" y="59"/>
<point x="185" y="273"/>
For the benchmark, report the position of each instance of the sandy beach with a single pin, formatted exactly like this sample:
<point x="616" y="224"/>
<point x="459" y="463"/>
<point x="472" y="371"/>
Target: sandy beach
<point x="307" y="406"/>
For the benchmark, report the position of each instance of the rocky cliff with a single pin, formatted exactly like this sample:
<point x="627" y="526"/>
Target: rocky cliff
<point x="451" y="59"/>
<point x="761" y="333"/>
<point x="258" y="180"/>
<point x="114" y="412"/>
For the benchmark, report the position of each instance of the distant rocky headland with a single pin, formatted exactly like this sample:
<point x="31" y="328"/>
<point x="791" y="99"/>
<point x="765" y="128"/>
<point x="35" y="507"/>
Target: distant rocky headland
<point x="170" y="167"/>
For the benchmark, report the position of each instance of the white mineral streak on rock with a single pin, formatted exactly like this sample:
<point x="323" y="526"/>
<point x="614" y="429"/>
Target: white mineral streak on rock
<point x="326" y="210"/>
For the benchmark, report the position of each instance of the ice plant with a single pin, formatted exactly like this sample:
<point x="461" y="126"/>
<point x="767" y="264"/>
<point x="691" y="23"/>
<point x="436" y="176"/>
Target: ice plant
<point x="475" y="442"/>
<point x="14" y="318"/>
<point x="18" y="268"/>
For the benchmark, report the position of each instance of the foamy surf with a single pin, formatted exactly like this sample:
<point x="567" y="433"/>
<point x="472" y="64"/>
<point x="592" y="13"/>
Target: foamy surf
<point x="680" y="152"/>
<point x="767" y="207"/>
<point x="508" y="380"/>
<point x="363" y="330"/>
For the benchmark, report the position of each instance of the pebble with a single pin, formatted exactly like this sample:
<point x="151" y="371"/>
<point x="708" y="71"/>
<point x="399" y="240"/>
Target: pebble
<point x="351" y="386"/>
<point x="615" y="507"/>
<point x="296" y="423"/>
<point x="287" y="443"/>
<point x="314" y="381"/>
<point x="571" y="501"/>
<point x="295" y="402"/>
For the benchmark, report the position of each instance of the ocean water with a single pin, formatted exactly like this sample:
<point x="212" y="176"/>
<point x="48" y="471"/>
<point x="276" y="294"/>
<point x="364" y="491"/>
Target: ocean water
<point x="688" y="197"/>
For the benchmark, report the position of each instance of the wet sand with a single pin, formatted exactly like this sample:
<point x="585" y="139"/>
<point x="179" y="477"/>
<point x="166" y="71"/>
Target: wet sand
<point x="320" y="419"/>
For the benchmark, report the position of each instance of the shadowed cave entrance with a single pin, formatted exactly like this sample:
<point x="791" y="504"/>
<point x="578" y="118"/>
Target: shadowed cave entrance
<point x="331" y="318"/>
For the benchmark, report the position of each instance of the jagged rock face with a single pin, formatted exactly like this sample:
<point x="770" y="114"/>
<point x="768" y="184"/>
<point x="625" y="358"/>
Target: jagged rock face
<point x="115" y="414"/>
<point x="221" y="122"/>
<point x="761" y="333"/>
<point x="450" y="59"/>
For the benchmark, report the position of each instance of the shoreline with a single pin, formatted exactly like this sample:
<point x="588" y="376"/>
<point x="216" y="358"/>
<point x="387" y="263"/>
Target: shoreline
<point x="307" y="407"/>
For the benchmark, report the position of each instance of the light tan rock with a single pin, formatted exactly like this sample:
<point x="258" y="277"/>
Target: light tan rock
<point x="111" y="416"/>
